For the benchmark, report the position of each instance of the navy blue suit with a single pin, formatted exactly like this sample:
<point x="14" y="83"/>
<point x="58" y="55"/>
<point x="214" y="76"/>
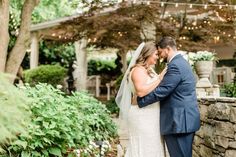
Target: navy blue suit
<point x="179" y="113"/>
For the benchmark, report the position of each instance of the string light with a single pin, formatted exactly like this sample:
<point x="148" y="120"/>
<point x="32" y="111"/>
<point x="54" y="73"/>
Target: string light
<point x="205" y="6"/>
<point x="162" y="4"/>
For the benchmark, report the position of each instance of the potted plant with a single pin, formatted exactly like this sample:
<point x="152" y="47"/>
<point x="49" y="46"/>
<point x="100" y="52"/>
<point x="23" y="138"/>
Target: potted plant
<point x="203" y="63"/>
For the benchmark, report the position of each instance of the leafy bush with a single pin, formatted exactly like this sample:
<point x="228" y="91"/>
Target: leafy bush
<point x="98" y="67"/>
<point x="14" y="111"/>
<point x="112" y="107"/>
<point x="61" y="123"/>
<point x="230" y="90"/>
<point x="51" y="74"/>
<point x="56" y="53"/>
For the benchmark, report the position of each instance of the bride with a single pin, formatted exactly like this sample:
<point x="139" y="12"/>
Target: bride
<point x="143" y="124"/>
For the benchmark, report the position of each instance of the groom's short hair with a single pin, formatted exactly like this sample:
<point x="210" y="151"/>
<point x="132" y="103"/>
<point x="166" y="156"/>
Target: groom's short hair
<point x="165" y="42"/>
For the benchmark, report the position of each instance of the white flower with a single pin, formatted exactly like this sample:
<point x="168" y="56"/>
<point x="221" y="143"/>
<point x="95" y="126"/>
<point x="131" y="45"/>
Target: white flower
<point x="59" y="86"/>
<point x="201" y="56"/>
<point x="77" y="152"/>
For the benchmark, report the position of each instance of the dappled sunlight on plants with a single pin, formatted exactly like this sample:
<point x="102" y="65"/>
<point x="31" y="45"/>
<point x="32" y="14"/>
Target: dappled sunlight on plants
<point x="14" y="113"/>
<point x="61" y="124"/>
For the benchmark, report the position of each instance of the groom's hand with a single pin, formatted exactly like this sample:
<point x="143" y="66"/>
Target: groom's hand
<point x="134" y="100"/>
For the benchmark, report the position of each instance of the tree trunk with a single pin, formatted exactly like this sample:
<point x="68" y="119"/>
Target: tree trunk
<point x="23" y="40"/>
<point x="4" y="35"/>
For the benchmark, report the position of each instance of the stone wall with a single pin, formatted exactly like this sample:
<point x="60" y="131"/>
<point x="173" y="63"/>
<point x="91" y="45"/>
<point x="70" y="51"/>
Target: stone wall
<point x="217" y="135"/>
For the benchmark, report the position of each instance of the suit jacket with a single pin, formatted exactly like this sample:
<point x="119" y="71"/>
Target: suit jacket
<point x="179" y="111"/>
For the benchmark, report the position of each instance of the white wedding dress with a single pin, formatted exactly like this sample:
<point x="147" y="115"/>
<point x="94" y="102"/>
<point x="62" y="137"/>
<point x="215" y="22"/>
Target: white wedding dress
<point x="145" y="139"/>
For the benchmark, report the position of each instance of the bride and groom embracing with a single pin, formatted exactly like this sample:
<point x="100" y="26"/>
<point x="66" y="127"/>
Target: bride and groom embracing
<point x="159" y="109"/>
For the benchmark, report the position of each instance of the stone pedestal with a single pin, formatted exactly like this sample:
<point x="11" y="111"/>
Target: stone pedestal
<point x="204" y="69"/>
<point x="208" y="91"/>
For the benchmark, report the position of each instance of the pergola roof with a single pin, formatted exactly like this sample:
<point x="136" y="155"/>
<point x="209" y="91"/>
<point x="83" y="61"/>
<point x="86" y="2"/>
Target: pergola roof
<point x="52" y="23"/>
<point x="65" y="28"/>
<point x="54" y="29"/>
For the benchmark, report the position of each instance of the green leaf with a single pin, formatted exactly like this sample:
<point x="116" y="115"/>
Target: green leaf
<point x="20" y="143"/>
<point x="25" y="154"/>
<point x="45" y="152"/>
<point x="55" y="151"/>
<point x="71" y="155"/>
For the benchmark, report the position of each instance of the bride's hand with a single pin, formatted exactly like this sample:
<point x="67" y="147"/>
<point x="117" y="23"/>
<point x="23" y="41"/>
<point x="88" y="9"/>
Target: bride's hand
<point x="162" y="74"/>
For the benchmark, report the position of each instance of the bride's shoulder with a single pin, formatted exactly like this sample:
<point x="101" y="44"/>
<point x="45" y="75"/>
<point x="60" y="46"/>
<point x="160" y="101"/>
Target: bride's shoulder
<point x="138" y="69"/>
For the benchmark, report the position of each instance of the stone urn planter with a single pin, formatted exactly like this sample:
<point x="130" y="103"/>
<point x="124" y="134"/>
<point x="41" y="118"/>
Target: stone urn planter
<point x="203" y="70"/>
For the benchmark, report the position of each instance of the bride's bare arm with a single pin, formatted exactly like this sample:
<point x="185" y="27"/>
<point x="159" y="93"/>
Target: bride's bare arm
<point x="139" y="77"/>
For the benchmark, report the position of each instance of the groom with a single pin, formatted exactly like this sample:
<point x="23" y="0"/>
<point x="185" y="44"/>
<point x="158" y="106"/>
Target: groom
<point x="179" y="113"/>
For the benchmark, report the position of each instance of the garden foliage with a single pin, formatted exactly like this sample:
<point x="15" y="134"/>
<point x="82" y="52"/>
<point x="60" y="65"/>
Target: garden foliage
<point x="14" y="111"/>
<point x="61" y="124"/>
<point x="51" y="74"/>
<point x="230" y="90"/>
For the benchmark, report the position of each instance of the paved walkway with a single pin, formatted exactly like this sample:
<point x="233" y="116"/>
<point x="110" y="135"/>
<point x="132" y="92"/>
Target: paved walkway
<point x="123" y="138"/>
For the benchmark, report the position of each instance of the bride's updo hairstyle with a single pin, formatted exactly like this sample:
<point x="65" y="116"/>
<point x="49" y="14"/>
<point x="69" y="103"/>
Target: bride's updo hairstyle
<point x="148" y="49"/>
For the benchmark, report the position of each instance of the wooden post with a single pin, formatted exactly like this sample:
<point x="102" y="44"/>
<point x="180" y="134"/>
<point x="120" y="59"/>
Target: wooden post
<point x="124" y="61"/>
<point x="34" y="54"/>
<point x="80" y="73"/>
<point x="98" y="83"/>
<point x="108" y="91"/>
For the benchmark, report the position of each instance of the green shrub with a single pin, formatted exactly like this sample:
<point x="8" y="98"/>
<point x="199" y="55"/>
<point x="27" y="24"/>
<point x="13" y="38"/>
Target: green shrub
<point x="112" y="107"/>
<point x="230" y="90"/>
<point x="61" y="123"/>
<point x="51" y="74"/>
<point x="98" y="67"/>
<point x="14" y="111"/>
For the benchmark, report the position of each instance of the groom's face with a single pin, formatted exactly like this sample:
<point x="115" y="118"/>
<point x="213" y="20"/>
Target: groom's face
<point x="163" y="53"/>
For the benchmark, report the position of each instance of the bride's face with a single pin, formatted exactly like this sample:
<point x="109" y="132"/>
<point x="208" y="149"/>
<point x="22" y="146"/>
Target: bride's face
<point x="152" y="59"/>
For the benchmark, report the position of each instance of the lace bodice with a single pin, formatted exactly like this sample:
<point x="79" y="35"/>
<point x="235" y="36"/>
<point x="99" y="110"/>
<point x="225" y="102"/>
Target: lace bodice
<point x="150" y="79"/>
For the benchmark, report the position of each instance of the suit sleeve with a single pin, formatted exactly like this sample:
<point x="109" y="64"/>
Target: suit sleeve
<point x="170" y="81"/>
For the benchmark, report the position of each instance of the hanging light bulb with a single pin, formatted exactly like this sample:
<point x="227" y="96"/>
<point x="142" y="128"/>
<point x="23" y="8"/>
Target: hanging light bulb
<point x="162" y="4"/>
<point x="191" y="6"/>
<point x="234" y="7"/>
<point x="220" y="7"/>
<point x="205" y="6"/>
<point x="148" y="2"/>
<point x="176" y="5"/>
